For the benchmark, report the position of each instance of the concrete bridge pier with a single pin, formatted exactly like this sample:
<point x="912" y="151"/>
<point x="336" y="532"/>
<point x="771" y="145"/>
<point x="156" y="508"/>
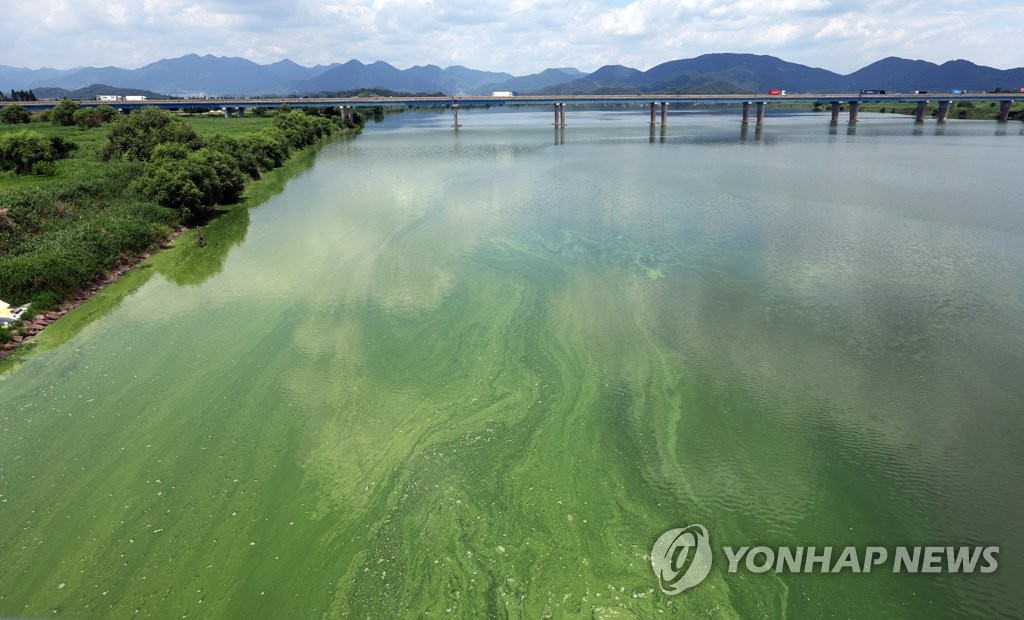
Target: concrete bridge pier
<point x="919" y="113"/>
<point x="560" y="113"/>
<point x="746" y="112"/>
<point x="943" y="111"/>
<point x="854" y="109"/>
<point x="1004" y="111"/>
<point x="455" y="110"/>
<point x="760" y="112"/>
<point x="835" y="112"/>
<point x="241" y="112"/>
<point x="664" y="113"/>
<point x="652" y="113"/>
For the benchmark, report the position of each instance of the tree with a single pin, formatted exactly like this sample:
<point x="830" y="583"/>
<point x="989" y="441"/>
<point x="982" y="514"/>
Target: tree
<point x="21" y="151"/>
<point x="136" y="135"/>
<point x="63" y="113"/>
<point x="168" y="183"/>
<point x="14" y="114"/>
<point x="88" y="117"/>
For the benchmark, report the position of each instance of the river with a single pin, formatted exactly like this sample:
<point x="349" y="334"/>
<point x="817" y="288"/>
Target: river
<point x="479" y="373"/>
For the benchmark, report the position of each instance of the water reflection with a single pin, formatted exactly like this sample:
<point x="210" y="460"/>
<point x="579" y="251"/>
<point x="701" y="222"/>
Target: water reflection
<point x="198" y="266"/>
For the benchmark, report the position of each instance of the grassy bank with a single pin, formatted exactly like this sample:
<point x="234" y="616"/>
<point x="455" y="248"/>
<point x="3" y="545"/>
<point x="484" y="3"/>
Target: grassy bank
<point x="121" y="191"/>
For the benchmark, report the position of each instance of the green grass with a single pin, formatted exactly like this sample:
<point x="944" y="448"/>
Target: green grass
<point x="218" y="125"/>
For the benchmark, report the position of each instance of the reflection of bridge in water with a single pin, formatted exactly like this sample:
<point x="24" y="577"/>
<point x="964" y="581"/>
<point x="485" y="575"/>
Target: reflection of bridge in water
<point x="749" y="104"/>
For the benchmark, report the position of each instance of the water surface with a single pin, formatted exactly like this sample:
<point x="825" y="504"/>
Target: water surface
<point x="478" y="373"/>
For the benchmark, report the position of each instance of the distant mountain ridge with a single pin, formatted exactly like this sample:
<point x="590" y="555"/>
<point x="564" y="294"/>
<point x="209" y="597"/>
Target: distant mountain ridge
<point x="192" y="75"/>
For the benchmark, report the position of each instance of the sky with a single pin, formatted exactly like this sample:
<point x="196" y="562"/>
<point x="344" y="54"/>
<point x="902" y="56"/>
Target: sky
<point x="516" y="36"/>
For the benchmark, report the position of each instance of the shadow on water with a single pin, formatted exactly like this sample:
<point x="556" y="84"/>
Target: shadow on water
<point x="662" y="134"/>
<point x="183" y="264"/>
<point x="199" y="264"/>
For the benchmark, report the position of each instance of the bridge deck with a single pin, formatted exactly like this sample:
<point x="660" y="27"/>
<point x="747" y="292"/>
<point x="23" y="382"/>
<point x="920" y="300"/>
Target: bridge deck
<point x="301" y="102"/>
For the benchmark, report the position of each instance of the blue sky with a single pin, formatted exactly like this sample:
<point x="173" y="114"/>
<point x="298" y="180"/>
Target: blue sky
<point x="517" y="36"/>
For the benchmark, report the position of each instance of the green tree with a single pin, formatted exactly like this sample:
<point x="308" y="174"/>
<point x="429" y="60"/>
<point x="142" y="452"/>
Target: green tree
<point x="218" y="176"/>
<point x="21" y="151"/>
<point x="168" y="183"/>
<point x="86" y="118"/>
<point x="63" y="113"/>
<point x="14" y="114"/>
<point x="136" y="135"/>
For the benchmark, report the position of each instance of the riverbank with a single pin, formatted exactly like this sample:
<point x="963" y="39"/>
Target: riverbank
<point x="93" y="202"/>
<point x="26" y="329"/>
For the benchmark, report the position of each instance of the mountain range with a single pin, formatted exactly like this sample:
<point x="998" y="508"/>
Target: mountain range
<point x="194" y="75"/>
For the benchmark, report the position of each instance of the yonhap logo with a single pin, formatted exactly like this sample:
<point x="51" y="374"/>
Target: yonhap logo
<point x="681" y="558"/>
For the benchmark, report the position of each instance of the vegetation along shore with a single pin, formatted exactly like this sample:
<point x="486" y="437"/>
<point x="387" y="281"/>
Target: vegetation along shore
<point x="86" y="193"/>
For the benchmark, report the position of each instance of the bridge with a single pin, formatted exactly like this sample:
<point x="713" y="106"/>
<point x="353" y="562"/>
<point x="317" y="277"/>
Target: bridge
<point x="746" y="102"/>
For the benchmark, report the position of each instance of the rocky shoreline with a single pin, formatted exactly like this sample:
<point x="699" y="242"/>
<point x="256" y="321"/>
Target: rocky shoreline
<point x="29" y="329"/>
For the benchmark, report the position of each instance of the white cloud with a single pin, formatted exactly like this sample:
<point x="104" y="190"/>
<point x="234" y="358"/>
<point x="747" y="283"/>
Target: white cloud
<point x="518" y="36"/>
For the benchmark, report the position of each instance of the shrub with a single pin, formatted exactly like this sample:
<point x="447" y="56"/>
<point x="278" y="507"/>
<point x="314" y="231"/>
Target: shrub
<point x="64" y="113"/>
<point x="86" y="118"/>
<point x="14" y="114"/>
<point x="44" y="169"/>
<point x="22" y="150"/>
<point x="136" y="135"/>
<point x="168" y="183"/>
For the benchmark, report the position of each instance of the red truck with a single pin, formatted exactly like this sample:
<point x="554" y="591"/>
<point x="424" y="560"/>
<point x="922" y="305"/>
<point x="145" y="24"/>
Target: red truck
<point x="776" y="91"/>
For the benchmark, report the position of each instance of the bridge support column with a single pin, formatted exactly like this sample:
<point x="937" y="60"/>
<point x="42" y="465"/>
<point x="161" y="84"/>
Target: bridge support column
<point x="854" y="109"/>
<point x="746" y="112"/>
<point x="652" y="112"/>
<point x="455" y="109"/>
<point x="943" y="111"/>
<point x="760" y="112"/>
<point x="241" y="112"/>
<point x="1004" y="111"/>
<point x="835" y="112"/>
<point x="557" y="116"/>
<point x="562" y="108"/>
<point x="919" y="114"/>
<point x="227" y="112"/>
<point x="664" y="113"/>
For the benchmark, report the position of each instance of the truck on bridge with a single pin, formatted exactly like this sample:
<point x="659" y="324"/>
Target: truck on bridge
<point x="120" y="97"/>
<point x="505" y="93"/>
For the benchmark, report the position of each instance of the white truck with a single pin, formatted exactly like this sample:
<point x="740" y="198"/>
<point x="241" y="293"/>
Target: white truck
<point x="505" y="93"/>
